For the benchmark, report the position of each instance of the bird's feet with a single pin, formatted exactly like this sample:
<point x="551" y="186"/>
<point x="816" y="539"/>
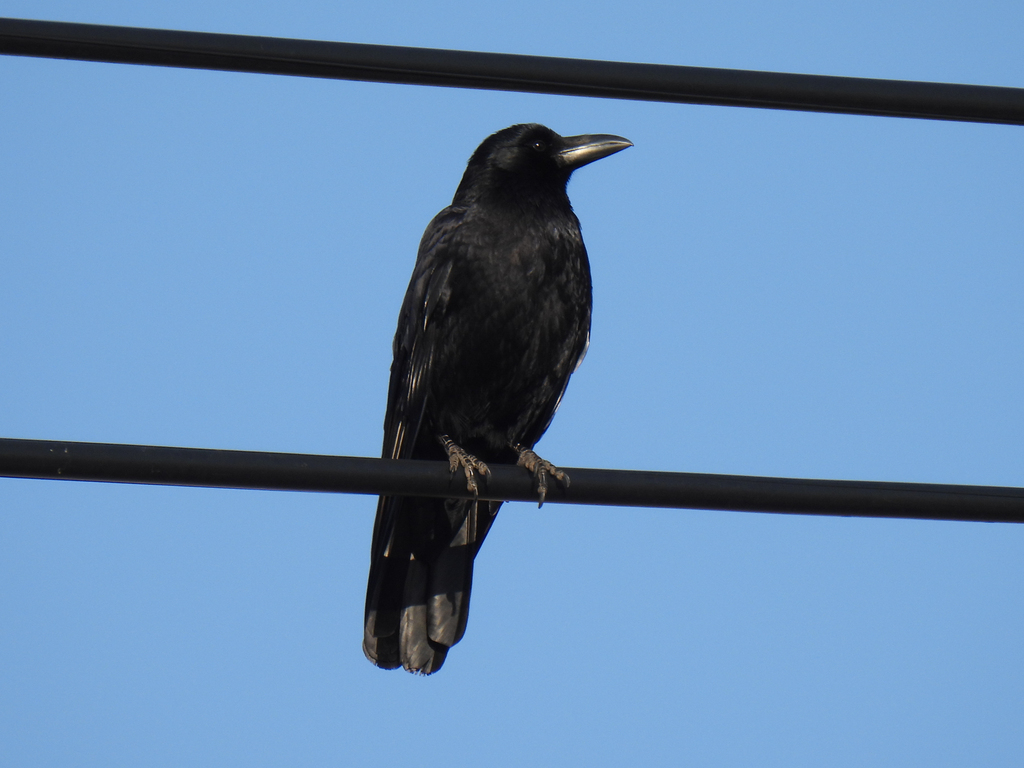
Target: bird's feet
<point x="540" y="469"/>
<point x="469" y="463"/>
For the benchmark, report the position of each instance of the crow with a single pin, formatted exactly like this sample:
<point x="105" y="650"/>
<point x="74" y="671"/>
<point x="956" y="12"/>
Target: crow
<point x="495" y="319"/>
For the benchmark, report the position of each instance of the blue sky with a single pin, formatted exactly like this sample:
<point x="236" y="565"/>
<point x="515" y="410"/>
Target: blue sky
<point x="217" y="260"/>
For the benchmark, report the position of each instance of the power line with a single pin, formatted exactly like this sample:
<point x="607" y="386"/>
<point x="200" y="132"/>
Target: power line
<point x="155" y="465"/>
<point x="509" y="72"/>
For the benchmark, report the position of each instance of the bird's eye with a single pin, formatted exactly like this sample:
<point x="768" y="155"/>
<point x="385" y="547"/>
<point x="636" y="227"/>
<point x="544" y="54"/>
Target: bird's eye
<point x="540" y="146"/>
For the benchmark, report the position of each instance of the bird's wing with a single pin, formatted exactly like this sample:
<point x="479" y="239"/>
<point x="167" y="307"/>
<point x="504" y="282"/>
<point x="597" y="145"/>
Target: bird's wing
<point x="415" y="339"/>
<point x="414" y="345"/>
<point x="413" y="356"/>
<point x="413" y="348"/>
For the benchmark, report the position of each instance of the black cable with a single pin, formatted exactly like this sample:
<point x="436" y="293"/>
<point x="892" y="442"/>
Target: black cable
<point x="154" y="465"/>
<point x="508" y="72"/>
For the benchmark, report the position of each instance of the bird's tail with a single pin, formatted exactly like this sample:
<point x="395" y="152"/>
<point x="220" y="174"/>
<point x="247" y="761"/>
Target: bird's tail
<point x="417" y="602"/>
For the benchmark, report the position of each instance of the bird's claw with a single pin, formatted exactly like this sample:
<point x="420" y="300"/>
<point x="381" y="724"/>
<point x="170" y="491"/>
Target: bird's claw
<point x="540" y="469"/>
<point x="469" y="463"/>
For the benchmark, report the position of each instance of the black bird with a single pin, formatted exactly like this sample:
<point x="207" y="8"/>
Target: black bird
<point x="496" y="318"/>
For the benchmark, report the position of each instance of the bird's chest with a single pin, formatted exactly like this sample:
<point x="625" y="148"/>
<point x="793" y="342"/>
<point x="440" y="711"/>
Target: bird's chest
<point x="517" y="299"/>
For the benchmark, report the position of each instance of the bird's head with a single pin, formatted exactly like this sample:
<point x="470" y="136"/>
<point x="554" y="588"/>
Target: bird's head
<point x="534" y="154"/>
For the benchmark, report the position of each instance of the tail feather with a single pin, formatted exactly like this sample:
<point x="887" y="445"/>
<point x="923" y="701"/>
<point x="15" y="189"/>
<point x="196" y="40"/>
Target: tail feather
<point x="417" y="606"/>
<point x="451" y="579"/>
<point x="415" y="648"/>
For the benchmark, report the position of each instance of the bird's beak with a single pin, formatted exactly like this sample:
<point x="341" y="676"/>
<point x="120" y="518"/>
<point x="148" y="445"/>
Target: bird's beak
<point x="577" y="151"/>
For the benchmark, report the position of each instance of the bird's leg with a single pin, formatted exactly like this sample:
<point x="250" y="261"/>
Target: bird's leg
<point x="469" y="463"/>
<point x="540" y="469"/>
